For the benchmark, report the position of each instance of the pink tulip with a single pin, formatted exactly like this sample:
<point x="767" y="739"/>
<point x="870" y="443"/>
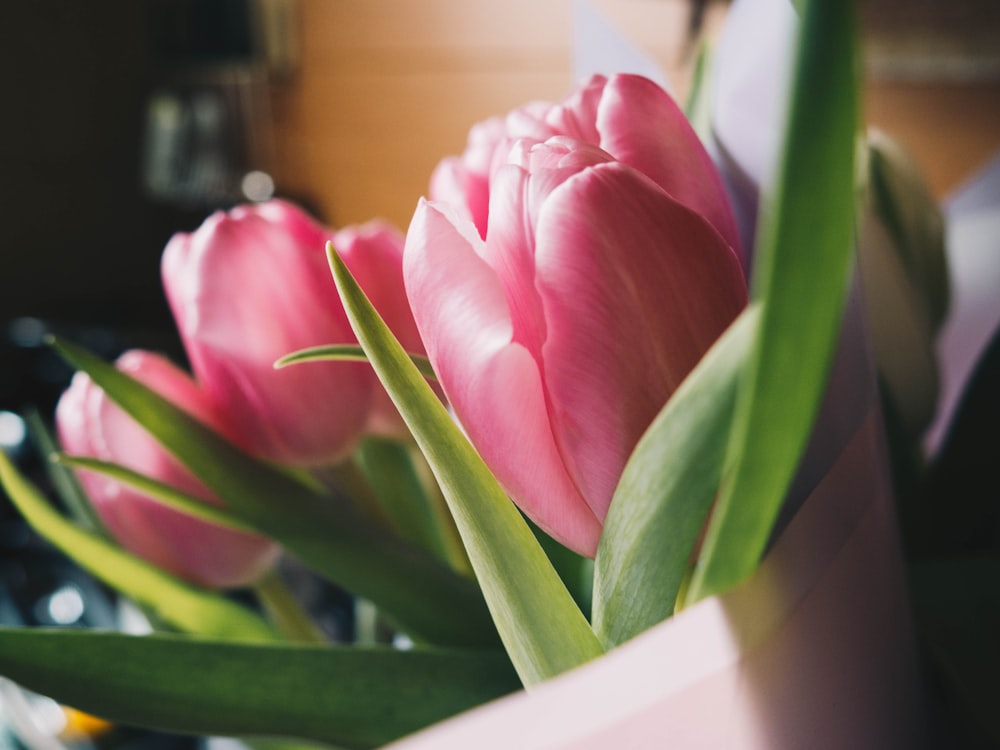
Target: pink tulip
<point x="90" y="424"/>
<point x="252" y="285"/>
<point x="628" y="116"/>
<point x="560" y="336"/>
<point x="374" y="253"/>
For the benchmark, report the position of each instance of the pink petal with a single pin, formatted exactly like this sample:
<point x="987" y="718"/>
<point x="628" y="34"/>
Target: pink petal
<point x="374" y="254"/>
<point x="492" y="383"/>
<point x="635" y="288"/>
<point x="247" y="288"/>
<point x="641" y="126"/>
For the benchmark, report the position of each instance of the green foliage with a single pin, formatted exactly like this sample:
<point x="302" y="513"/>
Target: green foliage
<point x="542" y="628"/>
<point x="662" y="500"/>
<point x="352" y="697"/>
<point x="803" y="256"/>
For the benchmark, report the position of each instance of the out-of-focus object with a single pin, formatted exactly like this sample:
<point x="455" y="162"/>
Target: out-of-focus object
<point x="901" y="255"/>
<point x="973" y="221"/>
<point x="956" y="41"/>
<point x="208" y="136"/>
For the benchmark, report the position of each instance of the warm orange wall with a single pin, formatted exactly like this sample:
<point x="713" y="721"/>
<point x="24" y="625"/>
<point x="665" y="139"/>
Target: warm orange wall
<point x="950" y="128"/>
<point x="387" y="87"/>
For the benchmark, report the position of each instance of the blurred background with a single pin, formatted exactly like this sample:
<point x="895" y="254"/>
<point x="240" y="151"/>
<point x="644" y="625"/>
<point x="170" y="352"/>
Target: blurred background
<point x="128" y="120"/>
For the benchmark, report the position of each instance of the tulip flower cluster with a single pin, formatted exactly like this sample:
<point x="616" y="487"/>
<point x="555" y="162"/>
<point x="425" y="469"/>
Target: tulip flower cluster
<point x="570" y="270"/>
<point x="559" y="360"/>
<point x="591" y="261"/>
<point x="249" y="286"/>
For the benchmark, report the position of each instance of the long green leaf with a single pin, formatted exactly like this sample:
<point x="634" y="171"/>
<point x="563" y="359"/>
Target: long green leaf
<point x="356" y="698"/>
<point x="346" y="353"/>
<point x="417" y="592"/>
<point x="803" y="257"/>
<point x="389" y="466"/>
<point x="74" y="499"/>
<point x="664" y="495"/>
<point x="177" y="602"/>
<point x="543" y="630"/>
<point x="154" y="490"/>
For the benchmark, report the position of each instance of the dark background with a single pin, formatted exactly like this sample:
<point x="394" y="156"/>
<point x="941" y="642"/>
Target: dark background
<point x="81" y="236"/>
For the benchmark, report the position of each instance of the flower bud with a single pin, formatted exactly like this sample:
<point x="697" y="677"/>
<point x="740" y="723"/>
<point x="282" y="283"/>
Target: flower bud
<point x="560" y="336"/>
<point x="90" y="424"/>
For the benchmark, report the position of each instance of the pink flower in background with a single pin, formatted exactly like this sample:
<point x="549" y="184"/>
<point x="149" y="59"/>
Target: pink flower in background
<point x="90" y="424"/>
<point x="374" y="253"/>
<point x="252" y="285"/>
<point x="628" y="116"/>
<point x="560" y="336"/>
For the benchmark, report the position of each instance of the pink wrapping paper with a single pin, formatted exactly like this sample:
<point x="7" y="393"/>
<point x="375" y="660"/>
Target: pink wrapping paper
<point x="815" y="650"/>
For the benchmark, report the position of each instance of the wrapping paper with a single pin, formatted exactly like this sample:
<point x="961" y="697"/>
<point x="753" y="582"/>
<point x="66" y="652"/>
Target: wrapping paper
<point x="816" y="650"/>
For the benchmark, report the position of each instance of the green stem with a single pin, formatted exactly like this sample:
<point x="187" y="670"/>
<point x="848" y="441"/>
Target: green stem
<point x="348" y="479"/>
<point x="285" y="611"/>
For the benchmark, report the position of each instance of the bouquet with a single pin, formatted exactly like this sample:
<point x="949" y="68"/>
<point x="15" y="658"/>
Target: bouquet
<point x="552" y="443"/>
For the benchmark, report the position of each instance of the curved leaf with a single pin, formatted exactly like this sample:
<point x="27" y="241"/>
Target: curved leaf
<point x="356" y="698"/>
<point x="804" y="253"/>
<point x="542" y="629"/>
<point x="349" y="353"/>
<point x="63" y="479"/>
<point x="418" y="516"/>
<point x="188" y="607"/>
<point x="665" y="493"/>
<point x="418" y="593"/>
<point x="162" y="493"/>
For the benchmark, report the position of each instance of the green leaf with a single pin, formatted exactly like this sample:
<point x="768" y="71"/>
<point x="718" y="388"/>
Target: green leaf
<point x="665" y="493"/>
<point x="357" y="698"/>
<point x="348" y="353"/>
<point x="418" y="593"/>
<point x="389" y="467"/>
<point x="803" y="257"/>
<point x="543" y="630"/>
<point x="698" y="105"/>
<point x="186" y="606"/>
<point x="62" y="478"/>
<point x="575" y="570"/>
<point x="162" y="493"/>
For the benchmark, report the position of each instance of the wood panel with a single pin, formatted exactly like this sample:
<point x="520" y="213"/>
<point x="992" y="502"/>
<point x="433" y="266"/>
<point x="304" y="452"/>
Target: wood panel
<point x="386" y="88"/>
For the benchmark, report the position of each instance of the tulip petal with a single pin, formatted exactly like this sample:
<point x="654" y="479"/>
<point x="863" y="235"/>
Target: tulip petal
<point x="373" y="253"/>
<point x="90" y="424"/>
<point x="622" y="334"/>
<point x="492" y="383"/>
<point x="247" y="288"/>
<point x="640" y="125"/>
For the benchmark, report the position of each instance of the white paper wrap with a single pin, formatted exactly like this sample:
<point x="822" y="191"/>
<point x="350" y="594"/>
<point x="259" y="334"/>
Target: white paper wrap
<point x="816" y="650"/>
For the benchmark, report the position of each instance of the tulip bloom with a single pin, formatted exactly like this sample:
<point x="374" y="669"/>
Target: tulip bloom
<point x="252" y="285"/>
<point x="560" y="336"/>
<point x="374" y="253"/>
<point x="90" y="424"/>
<point x="628" y="116"/>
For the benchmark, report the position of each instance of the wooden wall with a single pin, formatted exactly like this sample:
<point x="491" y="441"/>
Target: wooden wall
<point x="385" y="88"/>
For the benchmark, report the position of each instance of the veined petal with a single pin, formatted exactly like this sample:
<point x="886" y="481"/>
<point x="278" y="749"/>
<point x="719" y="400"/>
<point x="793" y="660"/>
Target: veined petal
<point x="640" y="125"/>
<point x="492" y="383"/>
<point x="577" y="116"/>
<point x="623" y="332"/>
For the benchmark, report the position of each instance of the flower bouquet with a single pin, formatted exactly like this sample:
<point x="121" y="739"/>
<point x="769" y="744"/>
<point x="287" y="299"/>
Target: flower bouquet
<point x="548" y="442"/>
